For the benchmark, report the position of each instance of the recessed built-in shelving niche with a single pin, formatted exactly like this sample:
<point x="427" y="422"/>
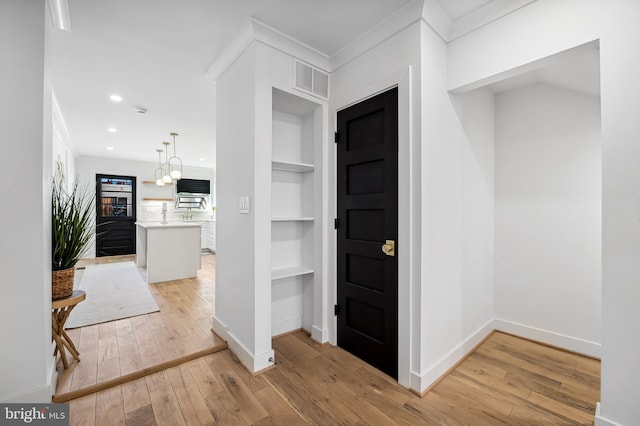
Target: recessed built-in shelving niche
<point x="296" y="133"/>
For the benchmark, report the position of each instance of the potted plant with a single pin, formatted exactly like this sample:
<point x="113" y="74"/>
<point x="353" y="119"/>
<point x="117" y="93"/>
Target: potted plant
<point x="71" y="234"/>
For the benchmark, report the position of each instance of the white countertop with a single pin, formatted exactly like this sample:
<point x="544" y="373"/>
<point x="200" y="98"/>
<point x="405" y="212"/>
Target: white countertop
<point x="167" y="225"/>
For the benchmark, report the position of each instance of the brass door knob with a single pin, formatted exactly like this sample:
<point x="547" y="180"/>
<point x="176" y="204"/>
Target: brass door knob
<point x="389" y="248"/>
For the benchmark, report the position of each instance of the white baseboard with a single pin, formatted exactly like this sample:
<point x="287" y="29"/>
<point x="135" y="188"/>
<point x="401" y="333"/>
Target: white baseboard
<point x="253" y="363"/>
<point x="53" y="376"/>
<point x="319" y="335"/>
<point x="220" y="328"/>
<point x="601" y="421"/>
<point x="38" y="395"/>
<point x="572" y="344"/>
<point x="286" y="325"/>
<point x="421" y="381"/>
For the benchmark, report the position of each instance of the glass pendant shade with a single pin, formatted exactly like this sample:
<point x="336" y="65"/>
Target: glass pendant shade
<point x="171" y="169"/>
<point x="166" y="167"/>
<point x="158" y="173"/>
<point x="176" y="171"/>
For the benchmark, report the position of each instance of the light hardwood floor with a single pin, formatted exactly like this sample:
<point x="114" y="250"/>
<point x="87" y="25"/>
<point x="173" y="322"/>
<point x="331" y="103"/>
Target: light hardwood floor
<point x="507" y="380"/>
<point x="114" y="349"/>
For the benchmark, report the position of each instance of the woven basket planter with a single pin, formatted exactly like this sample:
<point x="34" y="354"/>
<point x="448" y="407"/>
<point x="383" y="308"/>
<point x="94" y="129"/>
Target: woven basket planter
<point x="62" y="283"/>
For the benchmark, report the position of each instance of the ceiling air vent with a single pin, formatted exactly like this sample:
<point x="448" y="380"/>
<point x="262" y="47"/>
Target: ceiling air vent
<point x="310" y="80"/>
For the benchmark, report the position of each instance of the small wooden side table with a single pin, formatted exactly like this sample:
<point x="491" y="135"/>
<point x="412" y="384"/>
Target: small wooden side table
<point x="60" y="310"/>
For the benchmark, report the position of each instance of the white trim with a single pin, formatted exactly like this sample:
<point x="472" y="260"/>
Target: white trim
<point x="572" y="344"/>
<point x="384" y="30"/>
<point x="41" y="394"/>
<point x="253" y="363"/>
<point x="402" y="80"/>
<point x="286" y="325"/>
<point x="319" y="335"/>
<point x="483" y="16"/>
<point x="421" y="381"/>
<point x="434" y="16"/>
<point x="437" y="19"/>
<point x="230" y="54"/>
<point x="258" y="31"/>
<point x="288" y="45"/>
<point x="220" y="328"/>
<point x="598" y="420"/>
<point x="53" y="372"/>
<point x="38" y="395"/>
<point x="59" y="14"/>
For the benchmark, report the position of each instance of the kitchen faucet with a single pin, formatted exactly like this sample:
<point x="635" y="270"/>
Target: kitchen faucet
<point x="188" y="216"/>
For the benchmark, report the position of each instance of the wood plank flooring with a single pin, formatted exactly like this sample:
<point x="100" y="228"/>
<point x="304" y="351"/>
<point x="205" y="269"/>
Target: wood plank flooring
<point x="507" y="380"/>
<point x="114" y="349"/>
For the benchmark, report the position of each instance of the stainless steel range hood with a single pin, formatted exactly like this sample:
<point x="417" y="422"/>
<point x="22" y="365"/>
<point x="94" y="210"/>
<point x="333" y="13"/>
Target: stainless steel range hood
<point x="192" y="201"/>
<point x="192" y="193"/>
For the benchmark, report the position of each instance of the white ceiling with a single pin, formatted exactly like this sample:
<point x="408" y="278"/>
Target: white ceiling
<point x="154" y="54"/>
<point x="458" y="8"/>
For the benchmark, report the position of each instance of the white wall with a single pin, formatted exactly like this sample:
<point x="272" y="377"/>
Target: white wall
<point x="243" y="274"/>
<point x="235" y="160"/>
<point x="445" y="241"/>
<point x="517" y="39"/>
<point x="456" y="218"/>
<point x="368" y="74"/>
<point x="87" y="167"/>
<point x="26" y="361"/>
<point x="62" y="152"/>
<point x="544" y="28"/>
<point x="620" y="87"/>
<point x="548" y="216"/>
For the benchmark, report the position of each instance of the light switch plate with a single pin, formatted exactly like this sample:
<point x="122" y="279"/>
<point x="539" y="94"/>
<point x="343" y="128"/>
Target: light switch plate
<point x="244" y="205"/>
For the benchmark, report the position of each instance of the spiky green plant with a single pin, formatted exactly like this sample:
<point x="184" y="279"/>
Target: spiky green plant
<point x="71" y="224"/>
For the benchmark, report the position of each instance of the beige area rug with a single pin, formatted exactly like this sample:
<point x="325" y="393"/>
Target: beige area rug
<point x="114" y="291"/>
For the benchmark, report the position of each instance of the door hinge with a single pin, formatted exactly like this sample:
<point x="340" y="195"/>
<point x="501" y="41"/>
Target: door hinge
<point x="336" y="310"/>
<point x="336" y="137"/>
<point x="336" y="223"/>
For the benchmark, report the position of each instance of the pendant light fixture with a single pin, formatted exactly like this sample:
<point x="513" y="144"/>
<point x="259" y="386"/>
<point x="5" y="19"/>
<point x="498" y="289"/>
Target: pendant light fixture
<point x="166" y="168"/>
<point x="158" y="172"/>
<point x="176" y="173"/>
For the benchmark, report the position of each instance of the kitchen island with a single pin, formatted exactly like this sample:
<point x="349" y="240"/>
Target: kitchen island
<point x="168" y="251"/>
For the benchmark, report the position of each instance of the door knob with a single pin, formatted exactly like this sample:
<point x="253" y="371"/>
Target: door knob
<point x="389" y="248"/>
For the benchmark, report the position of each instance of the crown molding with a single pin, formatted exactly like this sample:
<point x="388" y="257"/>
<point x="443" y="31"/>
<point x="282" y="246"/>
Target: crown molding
<point x="289" y="45"/>
<point x="229" y="54"/>
<point x="59" y="14"/>
<point x="385" y="29"/>
<point x="429" y="11"/>
<point x="484" y="15"/>
<point x="437" y="19"/>
<point x="258" y="31"/>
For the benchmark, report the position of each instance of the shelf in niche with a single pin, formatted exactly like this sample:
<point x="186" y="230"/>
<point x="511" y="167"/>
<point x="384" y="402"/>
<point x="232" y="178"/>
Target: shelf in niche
<point x="292" y="219"/>
<point x="157" y="199"/>
<point x="289" y="166"/>
<point x="292" y="271"/>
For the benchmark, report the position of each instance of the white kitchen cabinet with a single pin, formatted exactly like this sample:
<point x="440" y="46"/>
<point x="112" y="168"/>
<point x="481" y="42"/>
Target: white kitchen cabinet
<point x="212" y="236"/>
<point x="207" y="235"/>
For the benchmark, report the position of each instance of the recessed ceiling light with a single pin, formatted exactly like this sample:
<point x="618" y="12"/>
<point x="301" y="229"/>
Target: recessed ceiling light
<point x="202" y="159"/>
<point x="110" y="148"/>
<point x="112" y="129"/>
<point x="116" y="98"/>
